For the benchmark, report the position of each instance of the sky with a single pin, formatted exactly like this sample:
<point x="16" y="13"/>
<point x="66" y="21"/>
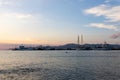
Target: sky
<point x="57" y="22"/>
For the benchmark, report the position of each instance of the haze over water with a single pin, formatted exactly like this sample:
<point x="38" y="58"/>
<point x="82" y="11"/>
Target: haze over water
<point x="59" y="65"/>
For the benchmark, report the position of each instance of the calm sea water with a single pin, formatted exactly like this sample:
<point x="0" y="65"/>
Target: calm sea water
<point x="59" y="65"/>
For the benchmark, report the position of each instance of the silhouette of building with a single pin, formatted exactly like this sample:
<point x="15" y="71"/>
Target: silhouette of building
<point x="81" y="39"/>
<point x="78" y="43"/>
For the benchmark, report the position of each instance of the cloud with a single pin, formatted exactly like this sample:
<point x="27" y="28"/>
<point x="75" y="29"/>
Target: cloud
<point x="8" y="20"/>
<point x="15" y="15"/>
<point x="115" y="36"/>
<point x="15" y="20"/>
<point x="111" y="14"/>
<point x="107" y="1"/>
<point x="101" y="25"/>
<point x="10" y="2"/>
<point x="23" y="16"/>
<point x="6" y="2"/>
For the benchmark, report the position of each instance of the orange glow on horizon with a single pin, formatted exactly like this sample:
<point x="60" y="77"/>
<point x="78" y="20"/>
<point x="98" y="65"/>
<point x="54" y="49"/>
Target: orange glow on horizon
<point x="37" y="42"/>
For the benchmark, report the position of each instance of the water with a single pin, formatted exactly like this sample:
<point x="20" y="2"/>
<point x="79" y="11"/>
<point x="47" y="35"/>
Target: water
<point x="59" y="65"/>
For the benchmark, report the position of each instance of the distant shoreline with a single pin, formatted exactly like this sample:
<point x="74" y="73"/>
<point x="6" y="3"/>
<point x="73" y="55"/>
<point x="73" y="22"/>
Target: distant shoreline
<point x="70" y="47"/>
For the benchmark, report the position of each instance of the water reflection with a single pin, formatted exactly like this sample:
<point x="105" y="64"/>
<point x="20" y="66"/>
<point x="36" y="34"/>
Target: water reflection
<point x="59" y="65"/>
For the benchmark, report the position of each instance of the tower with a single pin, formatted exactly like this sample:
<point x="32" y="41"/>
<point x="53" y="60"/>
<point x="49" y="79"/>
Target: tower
<point x="81" y="39"/>
<point x="78" y="40"/>
<point x="78" y="43"/>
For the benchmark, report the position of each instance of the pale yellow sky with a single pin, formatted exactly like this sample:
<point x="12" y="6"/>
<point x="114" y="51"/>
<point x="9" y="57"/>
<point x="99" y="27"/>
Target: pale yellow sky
<point x="56" y="22"/>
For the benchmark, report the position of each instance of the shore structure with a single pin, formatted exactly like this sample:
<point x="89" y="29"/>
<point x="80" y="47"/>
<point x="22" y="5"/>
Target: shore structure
<point x="72" y="46"/>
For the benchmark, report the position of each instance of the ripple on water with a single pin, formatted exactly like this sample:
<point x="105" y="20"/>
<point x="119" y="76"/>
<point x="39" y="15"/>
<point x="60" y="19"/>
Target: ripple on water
<point x="87" y="65"/>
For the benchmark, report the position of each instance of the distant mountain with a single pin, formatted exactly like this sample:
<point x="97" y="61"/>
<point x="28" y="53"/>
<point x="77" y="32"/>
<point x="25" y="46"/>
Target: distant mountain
<point x="68" y="46"/>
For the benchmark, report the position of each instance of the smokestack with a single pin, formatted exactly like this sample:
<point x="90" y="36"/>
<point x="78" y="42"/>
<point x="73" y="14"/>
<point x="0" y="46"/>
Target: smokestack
<point x="115" y="36"/>
<point x="81" y="39"/>
<point x="78" y="40"/>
